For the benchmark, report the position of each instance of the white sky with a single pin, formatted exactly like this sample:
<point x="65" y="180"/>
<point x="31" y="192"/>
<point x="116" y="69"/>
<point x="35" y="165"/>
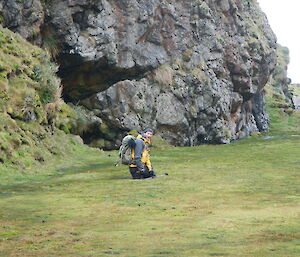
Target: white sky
<point x="283" y="16"/>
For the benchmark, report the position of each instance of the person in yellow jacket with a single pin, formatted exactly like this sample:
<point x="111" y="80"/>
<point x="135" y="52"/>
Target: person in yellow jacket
<point x="141" y="165"/>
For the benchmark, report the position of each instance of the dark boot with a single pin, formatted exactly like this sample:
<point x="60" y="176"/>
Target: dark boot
<point x="135" y="173"/>
<point x="148" y="173"/>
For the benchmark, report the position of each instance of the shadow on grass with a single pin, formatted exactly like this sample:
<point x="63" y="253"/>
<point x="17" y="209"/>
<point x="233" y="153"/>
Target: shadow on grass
<point x="83" y="169"/>
<point x="5" y="195"/>
<point x="123" y="177"/>
<point x="32" y="184"/>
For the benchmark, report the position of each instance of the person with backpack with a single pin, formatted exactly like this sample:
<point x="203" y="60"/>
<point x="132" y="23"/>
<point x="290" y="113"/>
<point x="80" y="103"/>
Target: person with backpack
<point x="140" y="166"/>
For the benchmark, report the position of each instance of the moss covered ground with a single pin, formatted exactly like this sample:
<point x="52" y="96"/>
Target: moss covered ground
<point x="240" y="199"/>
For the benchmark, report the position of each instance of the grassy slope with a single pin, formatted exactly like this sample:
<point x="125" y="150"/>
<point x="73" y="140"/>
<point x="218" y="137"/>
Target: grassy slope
<point x="31" y="110"/>
<point x="284" y="121"/>
<point x="227" y="200"/>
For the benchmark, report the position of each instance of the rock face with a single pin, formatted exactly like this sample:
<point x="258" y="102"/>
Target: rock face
<point x="193" y="70"/>
<point x="279" y="82"/>
<point x="296" y="96"/>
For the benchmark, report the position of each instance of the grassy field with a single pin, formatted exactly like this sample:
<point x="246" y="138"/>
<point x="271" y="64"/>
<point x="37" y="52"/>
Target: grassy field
<point x="240" y="199"/>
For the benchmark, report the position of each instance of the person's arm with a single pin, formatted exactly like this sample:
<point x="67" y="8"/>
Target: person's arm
<point x="138" y="150"/>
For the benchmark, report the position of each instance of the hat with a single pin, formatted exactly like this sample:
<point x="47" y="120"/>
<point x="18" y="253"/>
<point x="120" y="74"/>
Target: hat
<point x="148" y="130"/>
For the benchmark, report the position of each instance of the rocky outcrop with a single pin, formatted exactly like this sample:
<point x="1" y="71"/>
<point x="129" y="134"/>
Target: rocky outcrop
<point x="296" y="95"/>
<point x="279" y="82"/>
<point x="193" y="70"/>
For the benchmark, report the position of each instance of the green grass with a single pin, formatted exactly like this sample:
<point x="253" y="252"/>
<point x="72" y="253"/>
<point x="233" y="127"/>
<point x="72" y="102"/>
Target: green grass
<point x="240" y="199"/>
<point x="284" y="121"/>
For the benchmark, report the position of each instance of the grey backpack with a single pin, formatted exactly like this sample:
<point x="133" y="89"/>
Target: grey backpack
<point x="125" y="150"/>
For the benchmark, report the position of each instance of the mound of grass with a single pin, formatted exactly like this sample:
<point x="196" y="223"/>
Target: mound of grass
<point x="31" y="108"/>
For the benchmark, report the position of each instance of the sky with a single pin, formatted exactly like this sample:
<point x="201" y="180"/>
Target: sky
<point x="283" y="16"/>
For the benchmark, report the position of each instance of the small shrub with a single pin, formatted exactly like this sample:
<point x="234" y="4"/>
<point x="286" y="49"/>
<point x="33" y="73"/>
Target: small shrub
<point x="50" y="43"/>
<point x="49" y="85"/>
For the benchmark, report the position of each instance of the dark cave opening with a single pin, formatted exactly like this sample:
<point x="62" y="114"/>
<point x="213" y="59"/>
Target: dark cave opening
<point x="81" y="78"/>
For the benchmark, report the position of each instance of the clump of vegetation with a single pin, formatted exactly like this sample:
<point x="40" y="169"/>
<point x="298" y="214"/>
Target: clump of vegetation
<point x="50" y="43"/>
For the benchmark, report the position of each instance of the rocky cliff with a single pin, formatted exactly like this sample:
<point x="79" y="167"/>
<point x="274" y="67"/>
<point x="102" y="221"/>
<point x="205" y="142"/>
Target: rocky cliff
<point x="194" y="70"/>
<point x="278" y="84"/>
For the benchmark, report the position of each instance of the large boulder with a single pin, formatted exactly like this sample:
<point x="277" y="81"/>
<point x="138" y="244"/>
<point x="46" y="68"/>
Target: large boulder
<point x="194" y="70"/>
